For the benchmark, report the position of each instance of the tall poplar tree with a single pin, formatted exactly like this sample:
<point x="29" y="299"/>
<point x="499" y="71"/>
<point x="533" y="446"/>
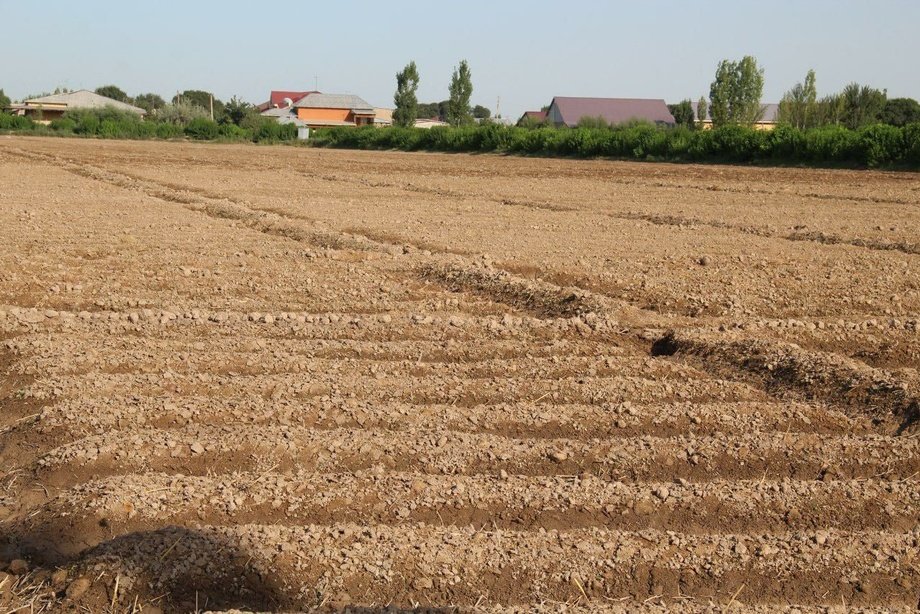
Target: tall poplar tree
<point x="461" y="90"/>
<point x="405" y="98"/>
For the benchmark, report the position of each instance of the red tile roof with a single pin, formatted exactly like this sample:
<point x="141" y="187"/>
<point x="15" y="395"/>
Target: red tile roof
<point x="613" y="110"/>
<point x="277" y="97"/>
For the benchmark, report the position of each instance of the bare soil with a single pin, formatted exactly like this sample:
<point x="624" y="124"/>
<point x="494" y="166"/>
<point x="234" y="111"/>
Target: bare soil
<point x="283" y="379"/>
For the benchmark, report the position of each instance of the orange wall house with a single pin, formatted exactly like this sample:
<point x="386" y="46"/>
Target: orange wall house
<point x="318" y="110"/>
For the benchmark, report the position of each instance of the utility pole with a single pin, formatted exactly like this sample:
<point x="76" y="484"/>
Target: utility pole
<point x="212" y="107"/>
<point x="498" y="108"/>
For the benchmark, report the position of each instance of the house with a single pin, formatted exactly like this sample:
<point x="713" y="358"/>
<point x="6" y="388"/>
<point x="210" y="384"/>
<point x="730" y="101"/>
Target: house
<point x="383" y="117"/>
<point x="47" y="108"/>
<point x="568" y="111"/>
<point x="278" y="99"/>
<point x="769" y="114"/>
<point x="320" y="110"/>
<point x="532" y="117"/>
<point x="426" y="123"/>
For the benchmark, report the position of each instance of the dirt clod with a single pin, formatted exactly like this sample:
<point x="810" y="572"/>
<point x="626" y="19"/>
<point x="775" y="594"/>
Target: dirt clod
<point x="78" y="588"/>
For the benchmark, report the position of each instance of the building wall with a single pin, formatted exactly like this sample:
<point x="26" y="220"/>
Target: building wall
<point x="43" y="116"/>
<point x="707" y="125"/>
<point x="343" y="115"/>
<point x="553" y="115"/>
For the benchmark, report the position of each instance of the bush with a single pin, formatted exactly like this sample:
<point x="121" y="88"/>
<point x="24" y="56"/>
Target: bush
<point x="202" y="129"/>
<point x="15" y="122"/>
<point x="168" y="131"/>
<point x="107" y="122"/>
<point x="495" y="137"/>
<point x="679" y="142"/>
<point x="64" y="124"/>
<point x="181" y="114"/>
<point x="736" y="143"/>
<point x="881" y="144"/>
<point x="912" y="144"/>
<point x="267" y="129"/>
<point x="642" y="141"/>
<point x="786" y="143"/>
<point x="234" y="133"/>
<point x="534" y="140"/>
<point x="832" y="144"/>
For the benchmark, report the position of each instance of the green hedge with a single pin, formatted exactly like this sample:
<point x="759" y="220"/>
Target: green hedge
<point x="111" y="123"/>
<point x="872" y="146"/>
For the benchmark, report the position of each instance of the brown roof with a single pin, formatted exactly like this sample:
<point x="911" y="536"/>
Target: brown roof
<point x="537" y="116"/>
<point x="613" y="110"/>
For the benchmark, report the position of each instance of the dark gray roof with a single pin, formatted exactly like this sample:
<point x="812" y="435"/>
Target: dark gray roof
<point x="613" y="110"/>
<point x="283" y="116"/>
<point x="334" y="101"/>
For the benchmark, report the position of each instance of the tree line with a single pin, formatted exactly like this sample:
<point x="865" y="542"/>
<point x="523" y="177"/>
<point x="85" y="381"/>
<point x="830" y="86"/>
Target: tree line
<point x="735" y="99"/>
<point x="187" y="114"/>
<point x="182" y="108"/>
<point x="456" y="110"/>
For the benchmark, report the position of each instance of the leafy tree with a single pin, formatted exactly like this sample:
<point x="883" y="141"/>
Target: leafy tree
<point x="897" y="111"/>
<point x="829" y="111"/>
<point x="461" y="90"/>
<point x="114" y="92"/>
<point x="149" y="102"/>
<point x="481" y="112"/>
<point x="201" y="98"/>
<point x="427" y="110"/>
<point x="798" y="107"/>
<point x="702" y="111"/>
<point x="735" y="93"/>
<point x="4" y="100"/>
<point x="683" y="113"/>
<point x="405" y="98"/>
<point x="434" y="110"/>
<point x="181" y="113"/>
<point x="862" y="105"/>
<point x="236" y="111"/>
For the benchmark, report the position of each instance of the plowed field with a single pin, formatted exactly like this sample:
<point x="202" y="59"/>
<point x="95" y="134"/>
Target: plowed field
<point x="273" y="378"/>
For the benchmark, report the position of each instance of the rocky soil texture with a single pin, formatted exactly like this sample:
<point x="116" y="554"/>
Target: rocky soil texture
<point x="280" y="379"/>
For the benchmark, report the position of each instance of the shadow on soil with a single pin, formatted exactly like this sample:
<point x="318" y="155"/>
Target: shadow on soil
<point x="784" y="369"/>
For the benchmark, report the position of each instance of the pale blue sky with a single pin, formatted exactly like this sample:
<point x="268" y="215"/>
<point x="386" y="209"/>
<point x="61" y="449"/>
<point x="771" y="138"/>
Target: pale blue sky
<point x="525" y="52"/>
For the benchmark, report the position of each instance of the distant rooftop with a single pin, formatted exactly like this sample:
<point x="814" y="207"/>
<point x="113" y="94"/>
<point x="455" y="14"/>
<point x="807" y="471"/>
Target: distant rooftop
<point x="770" y="112"/>
<point x="570" y="110"/>
<point x="335" y="101"/>
<point x="276" y="99"/>
<point x="537" y="116"/>
<point x="81" y="99"/>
